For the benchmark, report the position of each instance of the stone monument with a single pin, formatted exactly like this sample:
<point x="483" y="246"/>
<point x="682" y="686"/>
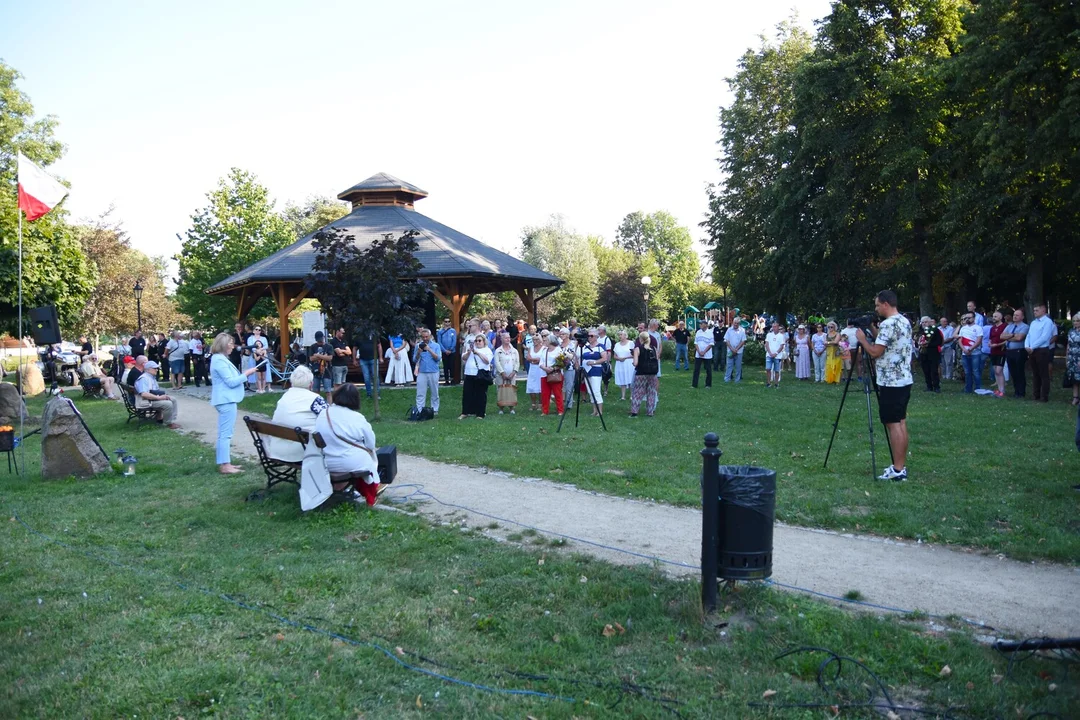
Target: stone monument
<point x="32" y="381"/>
<point x="12" y="406"/>
<point x="67" y="445"/>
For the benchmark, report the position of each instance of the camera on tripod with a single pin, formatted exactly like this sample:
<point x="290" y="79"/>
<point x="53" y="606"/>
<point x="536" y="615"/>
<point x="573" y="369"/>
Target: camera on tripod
<point x="864" y="322"/>
<point x="581" y="335"/>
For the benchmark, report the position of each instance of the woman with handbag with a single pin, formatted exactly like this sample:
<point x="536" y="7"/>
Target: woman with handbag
<point x="551" y="361"/>
<point x="476" y="372"/>
<point x="350" y="446"/>
<point x="506" y="369"/>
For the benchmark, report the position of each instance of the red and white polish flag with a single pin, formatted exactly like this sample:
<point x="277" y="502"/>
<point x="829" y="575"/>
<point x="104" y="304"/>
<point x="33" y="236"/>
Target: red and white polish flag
<point x="39" y="192"/>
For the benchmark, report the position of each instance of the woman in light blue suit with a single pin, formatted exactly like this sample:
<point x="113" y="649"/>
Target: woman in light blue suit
<point x="226" y="391"/>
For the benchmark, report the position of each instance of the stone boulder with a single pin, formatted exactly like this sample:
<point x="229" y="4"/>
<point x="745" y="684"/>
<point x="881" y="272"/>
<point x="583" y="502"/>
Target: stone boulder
<point x="32" y="382"/>
<point x="12" y="406"/>
<point x="67" y="447"/>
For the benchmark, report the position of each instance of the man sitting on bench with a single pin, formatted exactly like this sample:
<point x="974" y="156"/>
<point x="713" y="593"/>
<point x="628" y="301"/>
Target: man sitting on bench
<point x="350" y="446"/>
<point x="92" y="375"/>
<point x="148" y="394"/>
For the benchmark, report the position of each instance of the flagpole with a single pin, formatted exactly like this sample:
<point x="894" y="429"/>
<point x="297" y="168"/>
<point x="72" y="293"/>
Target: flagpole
<point x="22" y="368"/>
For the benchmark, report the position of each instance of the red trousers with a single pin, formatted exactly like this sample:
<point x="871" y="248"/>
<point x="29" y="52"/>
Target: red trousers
<point x="546" y="391"/>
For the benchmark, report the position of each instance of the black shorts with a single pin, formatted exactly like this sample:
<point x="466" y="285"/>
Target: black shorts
<point x="997" y="360"/>
<point x="892" y="403"/>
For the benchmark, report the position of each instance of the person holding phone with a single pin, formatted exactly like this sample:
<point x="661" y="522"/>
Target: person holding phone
<point x="226" y="391"/>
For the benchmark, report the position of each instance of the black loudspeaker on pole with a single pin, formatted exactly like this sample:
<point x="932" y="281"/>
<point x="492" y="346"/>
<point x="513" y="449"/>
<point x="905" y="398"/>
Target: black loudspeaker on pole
<point x="44" y="325"/>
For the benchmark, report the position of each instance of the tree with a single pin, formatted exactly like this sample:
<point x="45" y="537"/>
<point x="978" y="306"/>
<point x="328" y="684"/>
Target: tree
<point x="870" y="106"/>
<point x="316" y="212"/>
<point x="375" y="291"/>
<point x="660" y="237"/>
<point x="558" y="250"/>
<point x="55" y="270"/>
<point x="237" y="227"/>
<point x="111" y="307"/>
<point x="1016" y="205"/>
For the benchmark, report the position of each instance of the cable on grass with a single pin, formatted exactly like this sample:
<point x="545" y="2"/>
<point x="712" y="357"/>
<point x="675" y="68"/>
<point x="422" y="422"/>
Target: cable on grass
<point x="285" y="620"/>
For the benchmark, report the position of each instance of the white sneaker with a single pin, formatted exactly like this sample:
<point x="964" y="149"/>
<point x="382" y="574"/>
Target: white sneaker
<point x="892" y="473"/>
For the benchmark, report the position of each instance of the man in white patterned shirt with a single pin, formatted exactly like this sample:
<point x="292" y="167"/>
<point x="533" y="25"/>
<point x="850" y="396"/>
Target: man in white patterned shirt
<point x="892" y="351"/>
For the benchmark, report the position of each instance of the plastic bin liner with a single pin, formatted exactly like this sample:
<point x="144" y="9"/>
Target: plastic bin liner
<point x="750" y="487"/>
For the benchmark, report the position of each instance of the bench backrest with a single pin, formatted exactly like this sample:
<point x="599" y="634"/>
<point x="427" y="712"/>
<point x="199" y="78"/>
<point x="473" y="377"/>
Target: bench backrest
<point x="279" y="431"/>
<point x="128" y="393"/>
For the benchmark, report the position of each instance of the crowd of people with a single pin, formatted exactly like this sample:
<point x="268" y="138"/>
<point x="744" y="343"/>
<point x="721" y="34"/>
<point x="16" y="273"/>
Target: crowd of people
<point x="566" y="363"/>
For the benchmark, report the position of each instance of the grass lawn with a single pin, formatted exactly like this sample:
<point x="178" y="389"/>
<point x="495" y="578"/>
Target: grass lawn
<point x="171" y="596"/>
<point x="987" y="473"/>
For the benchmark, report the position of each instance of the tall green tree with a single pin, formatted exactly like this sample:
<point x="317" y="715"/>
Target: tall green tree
<point x="556" y="249"/>
<point x="758" y="142"/>
<point x="236" y="228"/>
<point x="871" y="107"/>
<point x="111" y="308"/>
<point x="1016" y="205"/>
<point x="55" y="270"/>
<point x="659" y="237"/>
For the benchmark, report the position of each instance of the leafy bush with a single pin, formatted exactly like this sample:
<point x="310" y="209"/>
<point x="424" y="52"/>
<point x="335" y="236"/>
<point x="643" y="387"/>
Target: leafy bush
<point x="753" y="354"/>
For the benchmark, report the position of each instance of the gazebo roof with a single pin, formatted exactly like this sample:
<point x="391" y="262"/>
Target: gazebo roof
<point x="444" y="252"/>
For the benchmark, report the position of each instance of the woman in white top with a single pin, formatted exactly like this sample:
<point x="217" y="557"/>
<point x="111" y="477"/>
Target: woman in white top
<point x="477" y="357"/>
<point x="506" y="369"/>
<point x="258" y="355"/>
<point x="532" y="384"/>
<point x="624" y="363"/>
<point x="298" y="407"/>
<point x="817" y="346"/>
<point x="551" y="384"/>
<point x="350" y="445"/>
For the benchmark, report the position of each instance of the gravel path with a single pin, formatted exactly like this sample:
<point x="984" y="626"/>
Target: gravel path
<point x="1025" y="599"/>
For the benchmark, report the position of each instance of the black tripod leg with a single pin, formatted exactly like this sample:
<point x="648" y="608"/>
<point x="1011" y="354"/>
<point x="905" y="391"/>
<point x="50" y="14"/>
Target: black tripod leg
<point x="870" y="426"/>
<point x="596" y="405"/>
<point x="836" y="424"/>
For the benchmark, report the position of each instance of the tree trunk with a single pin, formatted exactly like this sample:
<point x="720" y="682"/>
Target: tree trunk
<point x="925" y="270"/>
<point x="1033" y="289"/>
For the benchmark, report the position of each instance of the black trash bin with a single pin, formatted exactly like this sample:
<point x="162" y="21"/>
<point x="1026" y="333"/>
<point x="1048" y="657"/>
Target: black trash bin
<point x="747" y="511"/>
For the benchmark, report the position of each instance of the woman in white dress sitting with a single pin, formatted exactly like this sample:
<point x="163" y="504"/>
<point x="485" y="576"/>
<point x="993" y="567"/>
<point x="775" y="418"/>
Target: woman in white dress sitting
<point x="623" y="353"/>
<point x="399" y="370"/>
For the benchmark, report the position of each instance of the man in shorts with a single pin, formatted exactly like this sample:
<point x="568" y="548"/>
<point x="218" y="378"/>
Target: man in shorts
<point x="892" y="351"/>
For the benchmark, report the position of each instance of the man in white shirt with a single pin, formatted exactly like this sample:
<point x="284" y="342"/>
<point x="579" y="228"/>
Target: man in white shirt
<point x="734" y="342"/>
<point x="971" y="336"/>
<point x="980" y="319"/>
<point x="177" y="348"/>
<point x="775" y="344"/>
<point x="892" y="350"/>
<point x="703" y="353"/>
<point x="1040" y="337"/>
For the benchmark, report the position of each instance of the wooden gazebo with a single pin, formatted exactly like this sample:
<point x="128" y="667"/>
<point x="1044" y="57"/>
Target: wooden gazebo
<point x="460" y="267"/>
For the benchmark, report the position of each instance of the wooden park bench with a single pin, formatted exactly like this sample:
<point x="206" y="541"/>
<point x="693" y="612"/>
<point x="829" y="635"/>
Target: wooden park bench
<point x="277" y="471"/>
<point x="142" y="414"/>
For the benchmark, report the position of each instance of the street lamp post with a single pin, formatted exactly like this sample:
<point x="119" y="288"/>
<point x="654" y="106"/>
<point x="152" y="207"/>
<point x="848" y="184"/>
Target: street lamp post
<point x="646" y="281"/>
<point x="138" y="304"/>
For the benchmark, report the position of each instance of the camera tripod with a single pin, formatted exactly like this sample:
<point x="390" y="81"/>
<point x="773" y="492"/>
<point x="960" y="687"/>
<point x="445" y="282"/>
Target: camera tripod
<point x="862" y="363"/>
<point x="577" y="394"/>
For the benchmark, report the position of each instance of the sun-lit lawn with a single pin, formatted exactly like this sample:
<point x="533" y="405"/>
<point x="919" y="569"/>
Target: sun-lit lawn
<point x="988" y="473"/>
<point x="170" y="596"/>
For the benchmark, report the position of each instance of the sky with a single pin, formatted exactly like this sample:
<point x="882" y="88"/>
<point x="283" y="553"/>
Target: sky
<point x="506" y="113"/>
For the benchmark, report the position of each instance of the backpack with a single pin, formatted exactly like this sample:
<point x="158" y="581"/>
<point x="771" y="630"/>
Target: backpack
<point x="647" y="364"/>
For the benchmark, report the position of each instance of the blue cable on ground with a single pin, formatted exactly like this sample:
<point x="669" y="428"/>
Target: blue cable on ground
<point x="288" y="621"/>
<point x="420" y="492"/>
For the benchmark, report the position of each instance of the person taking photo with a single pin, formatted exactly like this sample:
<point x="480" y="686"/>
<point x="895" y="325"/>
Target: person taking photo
<point x="892" y="351"/>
